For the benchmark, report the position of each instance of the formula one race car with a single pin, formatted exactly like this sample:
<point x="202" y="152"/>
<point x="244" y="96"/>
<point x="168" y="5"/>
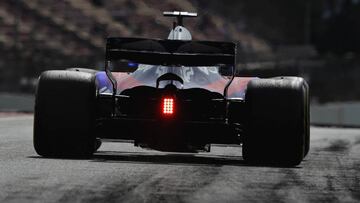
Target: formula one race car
<point x="176" y="95"/>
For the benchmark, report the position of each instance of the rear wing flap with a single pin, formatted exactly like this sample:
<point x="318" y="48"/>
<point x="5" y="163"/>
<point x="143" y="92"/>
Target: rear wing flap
<point x="171" y="52"/>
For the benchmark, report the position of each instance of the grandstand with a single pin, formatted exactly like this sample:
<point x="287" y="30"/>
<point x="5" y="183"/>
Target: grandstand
<point x="38" y="35"/>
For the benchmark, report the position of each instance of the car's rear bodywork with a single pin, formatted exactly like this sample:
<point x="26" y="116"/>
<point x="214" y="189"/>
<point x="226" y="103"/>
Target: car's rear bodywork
<point x="200" y="95"/>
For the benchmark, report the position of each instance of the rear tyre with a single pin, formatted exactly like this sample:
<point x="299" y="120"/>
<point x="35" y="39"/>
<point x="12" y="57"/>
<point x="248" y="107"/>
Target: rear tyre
<point x="64" y="117"/>
<point x="277" y="127"/>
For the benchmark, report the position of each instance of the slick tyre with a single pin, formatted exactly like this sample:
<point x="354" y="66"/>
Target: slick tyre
<point x="277" y="126"/>
<point x="64" y="116"/>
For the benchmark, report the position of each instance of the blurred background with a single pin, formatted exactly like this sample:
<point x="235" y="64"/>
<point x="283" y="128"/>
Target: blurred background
<point x="318" y="40"/>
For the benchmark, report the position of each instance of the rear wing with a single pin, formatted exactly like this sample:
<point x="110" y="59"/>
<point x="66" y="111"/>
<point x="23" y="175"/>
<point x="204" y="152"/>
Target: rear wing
<point x="171" y="52"/>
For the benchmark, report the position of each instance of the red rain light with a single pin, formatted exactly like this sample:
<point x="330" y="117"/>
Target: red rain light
<point x="168" y="106"/>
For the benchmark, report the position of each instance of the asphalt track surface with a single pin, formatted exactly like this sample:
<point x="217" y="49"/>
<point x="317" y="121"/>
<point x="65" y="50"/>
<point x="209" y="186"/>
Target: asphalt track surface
<point x="120" y="172"/>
